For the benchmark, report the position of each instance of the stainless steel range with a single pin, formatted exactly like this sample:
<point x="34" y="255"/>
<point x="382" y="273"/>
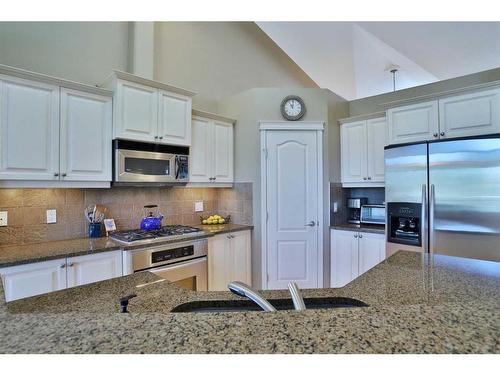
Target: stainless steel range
<point x="138" y="236"/>
<point x="183" y="262"/>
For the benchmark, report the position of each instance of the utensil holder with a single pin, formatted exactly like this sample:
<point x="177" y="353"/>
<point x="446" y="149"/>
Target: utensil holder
<point x="95" y="230"/>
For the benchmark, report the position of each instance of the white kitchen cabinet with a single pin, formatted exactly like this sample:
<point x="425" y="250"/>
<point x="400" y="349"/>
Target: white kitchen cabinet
<point x="376" y="131"/>
<point x="354" y="253"/>
<point x="413" y="123"/>
<point x="354" y="153"/>
<point x="212" y="153"/>
<point x="362" y="152"/>
<point x="150" y="111"/>
<point x="88" y="269"/>
<point x="85" y="136"/>
<point x="344" y="258"/>
<point x="32" y="279"/>
<point x="470" y="114"/>
<point x="229" y="259"/>
<point x="29" y="130"/>
<point x="135" y="112"/>
<point x="371" y="250"/>
<point x="174" y="123"/>
<point x="28" y="280"/>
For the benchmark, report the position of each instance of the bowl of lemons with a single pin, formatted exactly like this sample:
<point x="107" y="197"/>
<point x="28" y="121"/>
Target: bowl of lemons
<point x="215" y="219"/>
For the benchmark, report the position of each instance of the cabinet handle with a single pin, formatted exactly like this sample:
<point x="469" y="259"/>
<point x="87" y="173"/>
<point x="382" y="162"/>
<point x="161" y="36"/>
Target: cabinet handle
<point x="360" y="235"/>
<point x="435" y="135"/>
<point x="364" y="178"/>
<point x="355" y="236"/>
<point x="56" y="174"/>
<point x="442" y="134"/>
<point x="62" y="265"/>
<point x="156" y="137"/>
<point x="64" y="175"/>
<point x="369" y="178"/>
<point x="70" y="265"/>
<point x="161" y="137"/>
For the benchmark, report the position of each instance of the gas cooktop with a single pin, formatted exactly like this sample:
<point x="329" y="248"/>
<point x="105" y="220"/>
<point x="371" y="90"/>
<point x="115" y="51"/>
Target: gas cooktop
<point x="140" y="236"/>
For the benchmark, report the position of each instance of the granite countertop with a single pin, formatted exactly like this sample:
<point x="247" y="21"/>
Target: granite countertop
<point x="368" y="228"/>
<point x="11" y="255"/>
<point x="449" y="305"/>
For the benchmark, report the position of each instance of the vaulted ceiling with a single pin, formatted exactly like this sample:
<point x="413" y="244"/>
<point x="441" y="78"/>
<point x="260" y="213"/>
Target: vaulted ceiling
<point x="354" y="59"/>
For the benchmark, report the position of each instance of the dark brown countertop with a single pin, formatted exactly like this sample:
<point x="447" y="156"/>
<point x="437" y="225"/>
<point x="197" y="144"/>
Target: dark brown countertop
<point x="450" y="305"/>
<point x="11" y="255"/>
<point x="367" y="228"/>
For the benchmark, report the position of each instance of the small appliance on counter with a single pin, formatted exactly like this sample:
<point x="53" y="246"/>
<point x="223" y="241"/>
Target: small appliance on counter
<point x="354" y="209"/>
<point x="372" y="214"/>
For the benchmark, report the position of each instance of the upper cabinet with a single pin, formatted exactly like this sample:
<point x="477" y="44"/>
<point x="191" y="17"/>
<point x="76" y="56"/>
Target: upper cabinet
<point x="470" y="114"/>
<point x="413" y="123"/>
<point x="212" y="150"/>
<point x="150" y="111"/>
<point x="53" y="130"/>
<point x="362" y="152"/>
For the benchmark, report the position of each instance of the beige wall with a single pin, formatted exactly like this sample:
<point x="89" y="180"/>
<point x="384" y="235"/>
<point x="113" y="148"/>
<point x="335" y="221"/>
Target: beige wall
<point x="263" y="104"/>
<point x="80" y="51"/>
<point x="374" y="103"/>
<point x="217" y="59"/>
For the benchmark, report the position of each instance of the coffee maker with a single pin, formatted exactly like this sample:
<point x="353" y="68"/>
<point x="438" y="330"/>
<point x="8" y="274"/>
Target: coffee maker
<point x="354" y="209"/>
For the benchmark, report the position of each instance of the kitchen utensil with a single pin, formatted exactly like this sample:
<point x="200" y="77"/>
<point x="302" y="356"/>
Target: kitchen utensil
<point x="152" y="220"/>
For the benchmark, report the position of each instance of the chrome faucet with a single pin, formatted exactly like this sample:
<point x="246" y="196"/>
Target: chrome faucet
<point x="243" y="290"/>
<point x="298" y="301"/>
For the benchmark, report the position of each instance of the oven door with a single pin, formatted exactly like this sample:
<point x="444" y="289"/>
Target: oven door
<point x="191" y="274"/>
<point x="144" y="166"/>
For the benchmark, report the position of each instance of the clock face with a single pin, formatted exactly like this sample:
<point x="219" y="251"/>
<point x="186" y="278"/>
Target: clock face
<point x="292" y="108"/>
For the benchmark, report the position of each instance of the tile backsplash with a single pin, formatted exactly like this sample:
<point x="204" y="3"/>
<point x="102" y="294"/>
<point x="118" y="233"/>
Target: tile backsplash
<point x="27" y="208"/>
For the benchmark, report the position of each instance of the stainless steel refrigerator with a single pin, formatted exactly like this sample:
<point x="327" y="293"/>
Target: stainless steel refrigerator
<point x="443" y="197"/>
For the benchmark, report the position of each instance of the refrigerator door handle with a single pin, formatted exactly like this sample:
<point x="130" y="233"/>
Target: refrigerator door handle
<point x="432" y="200"/>
<point x="423" y="227"/>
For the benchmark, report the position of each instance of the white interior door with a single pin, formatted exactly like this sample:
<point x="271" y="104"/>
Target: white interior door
<point x="292" y="193"/>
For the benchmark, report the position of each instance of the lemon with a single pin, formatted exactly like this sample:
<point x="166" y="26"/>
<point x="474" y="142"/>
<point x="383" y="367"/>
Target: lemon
<point x="205" y="221"/>
<point x="210" y="221"/>
<point x="222" y="221"/>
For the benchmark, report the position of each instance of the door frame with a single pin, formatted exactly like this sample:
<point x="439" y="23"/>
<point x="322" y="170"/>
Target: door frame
<point x="318" y="127"/>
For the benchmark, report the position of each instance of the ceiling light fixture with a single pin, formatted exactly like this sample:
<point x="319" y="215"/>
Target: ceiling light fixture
<point x="393" y="69"/>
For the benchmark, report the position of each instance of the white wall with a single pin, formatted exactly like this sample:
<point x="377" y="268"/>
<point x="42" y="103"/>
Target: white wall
<point x="217" y="59"/>
<point x="80" y="51"/>
<point x="263" y="104"/>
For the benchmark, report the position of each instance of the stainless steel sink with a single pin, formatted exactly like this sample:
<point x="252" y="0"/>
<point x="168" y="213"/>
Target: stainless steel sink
<point x="279" y="304"/>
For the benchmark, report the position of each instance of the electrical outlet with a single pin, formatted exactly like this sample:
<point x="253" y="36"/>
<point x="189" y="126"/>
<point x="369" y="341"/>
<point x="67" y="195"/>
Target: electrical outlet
<point x="198" y="206"/>
<point x="335" y="207"/>
<point x="51" y="216"/>
<point x="3" y="218"/>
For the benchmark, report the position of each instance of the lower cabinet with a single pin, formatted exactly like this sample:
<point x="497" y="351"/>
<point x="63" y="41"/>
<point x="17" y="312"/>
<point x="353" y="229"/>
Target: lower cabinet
<point x="229" y="259"/>
<point x="354" y="253"/>
<point x="32" y="279"/>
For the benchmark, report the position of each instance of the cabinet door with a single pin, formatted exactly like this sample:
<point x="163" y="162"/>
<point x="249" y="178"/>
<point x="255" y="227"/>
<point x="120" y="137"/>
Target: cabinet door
<point x="174" y="122"/>
<point x="135" y="112"/>
<point x="371" y="250"/>
<point x="470" y="114"/>
<point x="200" y="158"/>
<point x="241" y="257"/>
<point x="85" y="136"/>
<point x="29" y="130"/>
<point x="413" y="123"/>
<point x="32" y="279"/>
<point x="344" y="257"/>
<point x="219" y="262"/>
<point x="91" y="268"/>
<point x="353" y="152"/>
<point x="376" y="130"/>
<point x="223" y="152"/>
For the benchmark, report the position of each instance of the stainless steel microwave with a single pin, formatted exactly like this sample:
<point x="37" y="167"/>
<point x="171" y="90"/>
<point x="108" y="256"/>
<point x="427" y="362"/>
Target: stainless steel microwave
<point x="145" y="164"/>
<point x="373" y="214"/>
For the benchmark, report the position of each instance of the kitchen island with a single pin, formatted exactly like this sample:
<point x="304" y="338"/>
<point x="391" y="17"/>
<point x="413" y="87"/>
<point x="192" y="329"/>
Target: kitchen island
<point x="447" y="305"/>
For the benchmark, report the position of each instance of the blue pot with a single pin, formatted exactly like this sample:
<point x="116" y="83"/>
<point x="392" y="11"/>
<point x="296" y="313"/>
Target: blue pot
<point x="151" y="221"/>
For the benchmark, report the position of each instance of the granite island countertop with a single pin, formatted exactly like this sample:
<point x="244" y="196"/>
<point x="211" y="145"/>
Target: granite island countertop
<point x="11" y="255"/>
<point x="451" y="305"/>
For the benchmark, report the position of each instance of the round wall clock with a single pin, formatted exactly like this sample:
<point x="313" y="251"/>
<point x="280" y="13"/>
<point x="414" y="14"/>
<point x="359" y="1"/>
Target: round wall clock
<point x="293" y="108"/>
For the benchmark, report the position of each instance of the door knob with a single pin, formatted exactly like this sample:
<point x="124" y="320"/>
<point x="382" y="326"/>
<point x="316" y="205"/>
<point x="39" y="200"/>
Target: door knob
<point x="311" y="224"/>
